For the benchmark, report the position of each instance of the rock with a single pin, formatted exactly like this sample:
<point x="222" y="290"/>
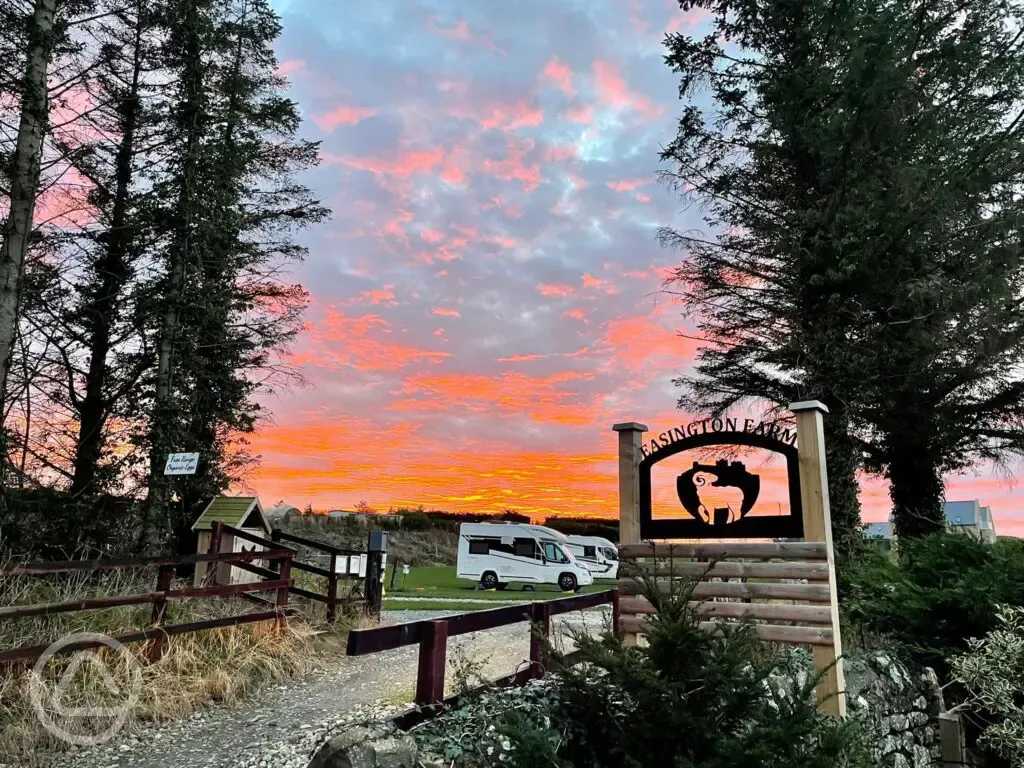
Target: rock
<point x="922" y="758"/>
<point x="917" y="719"/>
<point x="900" y="761"/>
<point x="362" y="747"/>
<point x="898" y="723"/>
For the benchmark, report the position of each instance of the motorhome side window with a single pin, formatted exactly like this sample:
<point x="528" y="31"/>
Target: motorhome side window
<point x="590" y="552"/>
<point x="479" y="547"/>
<point x="525" y="547"/>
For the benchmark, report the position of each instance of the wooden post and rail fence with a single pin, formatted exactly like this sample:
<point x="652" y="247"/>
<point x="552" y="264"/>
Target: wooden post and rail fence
<point x="432" y="635"/>
<point x="161" y="599"/>
<point x="330" y="597"/>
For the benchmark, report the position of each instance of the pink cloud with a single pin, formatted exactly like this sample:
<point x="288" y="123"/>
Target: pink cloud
<point x="614" y="93"/>
<point x="404" y="164"/>
<point x="343" y="115"/>
<point x="444" y="312"/>
<point x="559" y="74"/>
<point x="463" y="33"/>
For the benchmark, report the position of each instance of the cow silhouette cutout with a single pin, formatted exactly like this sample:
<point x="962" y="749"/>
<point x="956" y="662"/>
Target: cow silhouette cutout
<point x="732" y="475"/>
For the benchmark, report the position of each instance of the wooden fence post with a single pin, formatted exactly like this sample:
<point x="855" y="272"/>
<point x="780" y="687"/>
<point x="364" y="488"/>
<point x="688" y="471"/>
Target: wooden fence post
<point x="631" y="436"/>
<point x="282" y="593"/>
<point x="540" y="632"/>
<point x="817" y="520"/>
<point x="433" y="655"/>
<point x="332" y="589"/>
<point x="164" y="581"/>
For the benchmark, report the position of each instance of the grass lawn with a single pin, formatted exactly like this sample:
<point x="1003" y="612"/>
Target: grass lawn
<point x="438" y="581"/>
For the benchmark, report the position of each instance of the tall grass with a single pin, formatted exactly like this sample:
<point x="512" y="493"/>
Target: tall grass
<point x="195" y="670"/>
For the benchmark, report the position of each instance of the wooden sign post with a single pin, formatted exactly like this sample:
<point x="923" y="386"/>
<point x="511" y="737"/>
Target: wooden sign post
<point x="631" y="437"/>
<point x="818" y="527"/>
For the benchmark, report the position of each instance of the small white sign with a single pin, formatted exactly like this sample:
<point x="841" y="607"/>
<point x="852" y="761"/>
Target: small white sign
<point x="405" y="570"/>
<point x="181" y="464"/>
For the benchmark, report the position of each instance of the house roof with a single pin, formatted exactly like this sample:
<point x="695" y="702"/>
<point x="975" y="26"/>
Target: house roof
<point x="231" y="510"/>
<point x="878" y="531"/>
<point x="962" y="512"/>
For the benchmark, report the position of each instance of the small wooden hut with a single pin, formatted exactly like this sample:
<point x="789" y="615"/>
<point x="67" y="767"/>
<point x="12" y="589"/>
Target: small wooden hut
<point x="243" y="512"/>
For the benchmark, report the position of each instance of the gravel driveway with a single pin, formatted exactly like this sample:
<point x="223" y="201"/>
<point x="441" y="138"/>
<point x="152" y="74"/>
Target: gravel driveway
<point x="278" y="727"/>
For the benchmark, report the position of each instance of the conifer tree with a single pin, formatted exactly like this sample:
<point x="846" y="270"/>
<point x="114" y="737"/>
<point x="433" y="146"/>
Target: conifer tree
<point x="856" y="165"/>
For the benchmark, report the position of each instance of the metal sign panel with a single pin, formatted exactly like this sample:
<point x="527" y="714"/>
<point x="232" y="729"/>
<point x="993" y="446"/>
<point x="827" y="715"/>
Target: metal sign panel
<point x="705" y="520"/>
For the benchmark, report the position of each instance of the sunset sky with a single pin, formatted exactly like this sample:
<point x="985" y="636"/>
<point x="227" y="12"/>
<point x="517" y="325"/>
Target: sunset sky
<point x="486" y="300"/>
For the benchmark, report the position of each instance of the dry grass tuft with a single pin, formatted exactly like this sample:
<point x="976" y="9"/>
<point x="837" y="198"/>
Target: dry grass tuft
<point x="196" y="669"/>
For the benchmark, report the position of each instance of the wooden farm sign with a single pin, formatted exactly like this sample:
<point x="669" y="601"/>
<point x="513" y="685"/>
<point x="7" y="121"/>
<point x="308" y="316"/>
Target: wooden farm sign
<point x="785" y="588"/>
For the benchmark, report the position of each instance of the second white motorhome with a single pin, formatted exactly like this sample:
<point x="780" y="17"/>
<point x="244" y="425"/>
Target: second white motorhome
<point x="496" y="554"/>
<point x="597" y="555"/>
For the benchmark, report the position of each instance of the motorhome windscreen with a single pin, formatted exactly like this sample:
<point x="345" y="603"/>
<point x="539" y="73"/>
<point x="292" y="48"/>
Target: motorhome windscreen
<point x="554" y="553"/>
<point x="609" y="554"/>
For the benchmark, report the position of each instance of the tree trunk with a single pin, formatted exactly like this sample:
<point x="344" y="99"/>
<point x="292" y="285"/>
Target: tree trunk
<point x="843" y="459"/>
<point x="112" y="271"/>
<point x="158" y="528"/>
<point x="916" y="490"/>
<point x="24" y="180"/>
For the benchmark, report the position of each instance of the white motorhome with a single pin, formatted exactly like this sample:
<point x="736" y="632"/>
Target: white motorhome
<point x="496" y="554"/>
<point x="597" y="555"/>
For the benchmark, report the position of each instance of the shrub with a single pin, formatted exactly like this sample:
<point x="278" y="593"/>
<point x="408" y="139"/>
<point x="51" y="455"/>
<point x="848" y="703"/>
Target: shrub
<point x="688" y="698"/>
<point x="992" y="671"/>
<point x="942" y="590"/>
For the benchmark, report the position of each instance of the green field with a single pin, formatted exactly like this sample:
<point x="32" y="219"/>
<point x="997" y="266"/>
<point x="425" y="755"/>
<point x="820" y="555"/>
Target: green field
<point x="438" y="582"/>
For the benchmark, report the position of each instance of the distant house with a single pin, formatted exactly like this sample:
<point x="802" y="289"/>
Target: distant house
<point x="878" y="531"/>
<point x="970" y="517"/>
<point x="963" y="516"/>
<point x="282" y="512"/>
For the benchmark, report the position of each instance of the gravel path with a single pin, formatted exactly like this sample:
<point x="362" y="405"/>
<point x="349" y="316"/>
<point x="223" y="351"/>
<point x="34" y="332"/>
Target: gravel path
<point x="279" y="727"/>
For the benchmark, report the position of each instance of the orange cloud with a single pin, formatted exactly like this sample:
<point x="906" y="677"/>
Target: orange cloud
<point x="443" y="312"/>
<point x="339" y="341"/>
<point x="343" y="115"/>
<point x="559" y="74"/>
<point x="555" y="289"/>
<point x="575" y="314"/>
<point x="613" y="92"/>
<point x="541" y="399"/>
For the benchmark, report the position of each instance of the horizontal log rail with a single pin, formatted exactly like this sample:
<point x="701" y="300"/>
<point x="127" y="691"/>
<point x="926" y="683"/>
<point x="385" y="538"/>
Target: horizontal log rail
<point x="803" y="614"/>
<point x="122" y="564"/>
<point x="813" y="593"/>
<point x="114" y="601"/>
<point x="789" y="550"/>
<point x="432" y="637"/>
<point x="771" y="633"/>
<point x="726" y="569"/>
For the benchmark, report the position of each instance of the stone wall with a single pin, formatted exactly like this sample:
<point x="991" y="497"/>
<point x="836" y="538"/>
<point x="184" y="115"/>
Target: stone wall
<point x="902" y="707"/>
